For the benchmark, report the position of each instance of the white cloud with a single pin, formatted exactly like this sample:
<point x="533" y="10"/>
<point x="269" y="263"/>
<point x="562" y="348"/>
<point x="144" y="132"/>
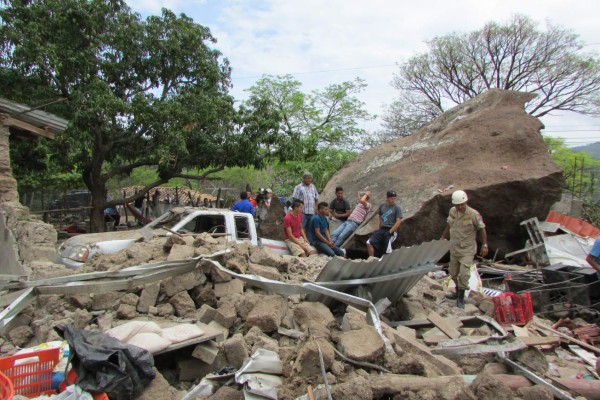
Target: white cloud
<point x="304" y="37"/>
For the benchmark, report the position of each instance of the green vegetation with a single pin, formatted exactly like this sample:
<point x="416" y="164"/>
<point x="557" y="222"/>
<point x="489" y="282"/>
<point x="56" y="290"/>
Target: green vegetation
<point x="581" y="170"/>
<point x="148" y="103"/>
<point x="138" y="93"/>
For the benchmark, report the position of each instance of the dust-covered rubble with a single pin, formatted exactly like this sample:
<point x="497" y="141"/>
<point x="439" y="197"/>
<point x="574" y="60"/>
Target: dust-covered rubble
<point x="301" y="332"/>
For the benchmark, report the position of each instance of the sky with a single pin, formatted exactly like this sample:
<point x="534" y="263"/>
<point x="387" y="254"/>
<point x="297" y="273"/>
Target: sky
<point x="326" y="42"/>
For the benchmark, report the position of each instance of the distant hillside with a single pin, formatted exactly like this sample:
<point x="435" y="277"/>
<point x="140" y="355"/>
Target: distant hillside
<point x="593" y="149"/>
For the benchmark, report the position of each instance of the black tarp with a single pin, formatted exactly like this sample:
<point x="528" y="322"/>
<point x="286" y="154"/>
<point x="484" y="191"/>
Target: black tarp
<point x="105" y="364"/>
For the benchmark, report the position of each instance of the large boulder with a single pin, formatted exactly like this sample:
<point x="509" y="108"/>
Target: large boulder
<point x="488" y="146"/>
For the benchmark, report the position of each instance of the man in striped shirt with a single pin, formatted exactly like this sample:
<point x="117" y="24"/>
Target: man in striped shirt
<point x="356" y="218"/>
<point x="307" y="192"/>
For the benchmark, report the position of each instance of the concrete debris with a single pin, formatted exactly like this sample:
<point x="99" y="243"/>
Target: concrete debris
<point x="258" y="303"/>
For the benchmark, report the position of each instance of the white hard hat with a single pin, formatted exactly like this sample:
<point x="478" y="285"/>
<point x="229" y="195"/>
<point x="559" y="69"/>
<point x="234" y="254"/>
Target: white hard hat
<point x="459" y="197"/>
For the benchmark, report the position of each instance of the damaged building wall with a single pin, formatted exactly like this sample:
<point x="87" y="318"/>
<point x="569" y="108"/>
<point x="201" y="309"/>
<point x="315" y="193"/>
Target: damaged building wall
<point x="31" y="239"/>
<point x="488" y="146"/>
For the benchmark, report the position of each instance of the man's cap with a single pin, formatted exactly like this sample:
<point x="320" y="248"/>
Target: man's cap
<point x="269" y="191"/>
<point x="307" y="175"/>
<point x="391" y="193"/>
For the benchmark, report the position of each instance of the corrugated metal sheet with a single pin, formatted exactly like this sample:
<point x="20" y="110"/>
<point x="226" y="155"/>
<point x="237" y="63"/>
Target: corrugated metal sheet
<point x="391" y="277"/>
<point x="574" y="225"/>
<point x="37" y="118"/>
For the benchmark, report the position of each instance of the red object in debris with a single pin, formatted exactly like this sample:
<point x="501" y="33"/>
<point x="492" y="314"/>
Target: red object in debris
<point x="511" y="308"/>
<point x="574" y="225"/>
<point x="71" y="378"/>
<point x="74" y="229"/>
<point x="31" y="378"/>
<point x="588" y="333"/>
<point x="7" y="391"/>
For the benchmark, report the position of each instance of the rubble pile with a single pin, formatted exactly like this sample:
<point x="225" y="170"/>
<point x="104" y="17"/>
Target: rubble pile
<point x="240" y="319"/>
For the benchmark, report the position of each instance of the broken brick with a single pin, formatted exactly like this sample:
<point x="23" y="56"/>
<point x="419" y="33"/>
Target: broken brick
<point x="268" y="313"/>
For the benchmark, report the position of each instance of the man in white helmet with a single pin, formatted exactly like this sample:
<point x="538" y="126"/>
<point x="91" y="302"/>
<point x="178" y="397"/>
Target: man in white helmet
<point x="463" y="224"/>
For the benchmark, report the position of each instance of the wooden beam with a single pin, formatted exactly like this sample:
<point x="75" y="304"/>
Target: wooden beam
<point x="568" y="338"/>
<point x="443" y="325"/>
<point x="10" y="121"/>
<point x="539" y="340"/>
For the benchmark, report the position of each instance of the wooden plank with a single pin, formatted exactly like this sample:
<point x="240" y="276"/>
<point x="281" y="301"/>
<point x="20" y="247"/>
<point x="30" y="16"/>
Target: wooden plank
<point x="443" y="325"/>
<point x="568" y="338"/>
<point x="520" y="331"/>
<point x="584" y="355"/>
<point x="587" y="388"/>
<point x="10" y="121"/>
<point x="425" y="323"/>
<point x="434" y="336"/>
<point x="539" y="340"/>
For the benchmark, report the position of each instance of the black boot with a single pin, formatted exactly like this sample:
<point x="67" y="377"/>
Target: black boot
<point x="452" y="296"/>
<point x="460" y="301"/>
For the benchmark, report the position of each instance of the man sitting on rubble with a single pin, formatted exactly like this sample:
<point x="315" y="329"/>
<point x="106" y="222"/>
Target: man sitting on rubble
<point x="318" y="233"/>
<point x="388" y="222"/>
<point x="355" y="219"/>
<point x="243" y="205"/>
<point x="293" y="232"/>
<point x="463" y="224"/>
<point x="340" y="207"/>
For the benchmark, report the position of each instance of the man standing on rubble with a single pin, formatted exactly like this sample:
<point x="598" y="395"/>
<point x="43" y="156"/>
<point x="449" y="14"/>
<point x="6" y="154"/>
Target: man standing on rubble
<point x="307" y="192"/>
<point x="388" y="222"/>
<point x="463" y="224"/>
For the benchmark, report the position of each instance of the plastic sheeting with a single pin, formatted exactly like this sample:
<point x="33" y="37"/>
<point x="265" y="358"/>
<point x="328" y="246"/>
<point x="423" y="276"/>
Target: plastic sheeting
<point x="568" y="250"/>
<point x="105" y="364"/>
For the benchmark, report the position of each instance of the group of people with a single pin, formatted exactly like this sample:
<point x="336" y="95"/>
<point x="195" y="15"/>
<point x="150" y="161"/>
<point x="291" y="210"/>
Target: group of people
<point x="257" y="206"/>
<point x="306" y="227"/>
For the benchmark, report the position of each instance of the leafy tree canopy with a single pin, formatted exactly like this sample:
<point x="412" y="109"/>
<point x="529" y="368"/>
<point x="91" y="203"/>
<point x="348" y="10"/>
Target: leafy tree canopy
<point x="312" y="121"/>
<point x="516" y="55"/>
<point x="137" y="92"/>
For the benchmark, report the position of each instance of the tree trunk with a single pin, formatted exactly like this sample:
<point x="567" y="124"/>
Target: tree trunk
<point x="97" y="213"/>
<point x="97" y="186"/>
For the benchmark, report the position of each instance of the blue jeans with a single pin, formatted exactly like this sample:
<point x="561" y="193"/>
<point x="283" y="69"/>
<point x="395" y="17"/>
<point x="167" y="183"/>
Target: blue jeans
<point x="306" y="220"/>
<point x="324" y="248"/>
<point x="342" y="232"/>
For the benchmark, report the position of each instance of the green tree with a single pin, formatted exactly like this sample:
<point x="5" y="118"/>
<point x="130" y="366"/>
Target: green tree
<point x="580" y="170"/>
<point x="138" y="93"/>
<point x="512" y="56"/>
<point x="312" y="121"/>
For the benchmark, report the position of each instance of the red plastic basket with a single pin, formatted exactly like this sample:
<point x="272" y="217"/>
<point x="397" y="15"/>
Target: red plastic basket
<point x="31" y="378"/>
<point x="513" y="309"/>
<point x="6" y="388"/>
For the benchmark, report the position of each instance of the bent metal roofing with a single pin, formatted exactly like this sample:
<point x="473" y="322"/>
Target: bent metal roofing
<point x="390" y="277"/>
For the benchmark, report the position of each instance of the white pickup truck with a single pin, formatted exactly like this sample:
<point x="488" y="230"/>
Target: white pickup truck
<point x="234" y="226"/>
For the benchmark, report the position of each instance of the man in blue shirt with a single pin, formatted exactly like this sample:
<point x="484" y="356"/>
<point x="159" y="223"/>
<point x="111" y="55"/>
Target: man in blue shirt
<point x="594" y="260"/>
<point x="243" y="205"/>
<point x="318" y="232"/>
